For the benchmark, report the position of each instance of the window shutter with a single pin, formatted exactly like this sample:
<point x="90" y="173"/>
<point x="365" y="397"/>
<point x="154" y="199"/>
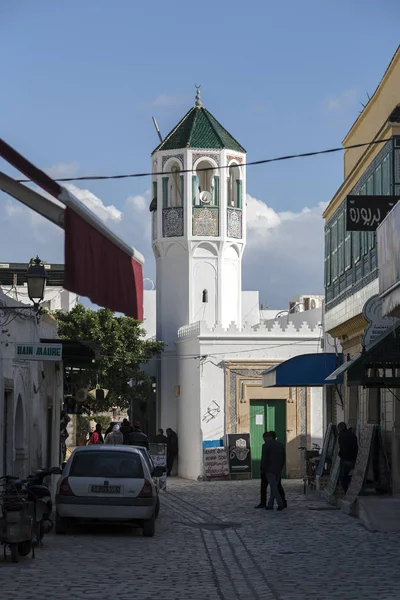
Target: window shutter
<point x="327" y="257"/>
<point x="239" y="192"/>
<point x="182" y="189"/>
<point x="334" y="251"/>
<point x="356" y="245"/>
<point x="194" y="189"/>
<point x="341" y="236"/>
<point x="378" y="180"/>
<point x="228" y="192"/>
<point x="216" y="190"/>
<point x="165" y="191"/>
<point x="386" y="176"/>
<point x="154" y="191"/>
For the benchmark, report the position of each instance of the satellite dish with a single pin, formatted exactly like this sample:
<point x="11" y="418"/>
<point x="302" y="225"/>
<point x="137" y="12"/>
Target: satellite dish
<point x="205" y="197"/>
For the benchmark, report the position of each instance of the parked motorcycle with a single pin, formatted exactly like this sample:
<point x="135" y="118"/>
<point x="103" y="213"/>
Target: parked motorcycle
<point x="39" y="494"/>
<point x="16" y="524"/>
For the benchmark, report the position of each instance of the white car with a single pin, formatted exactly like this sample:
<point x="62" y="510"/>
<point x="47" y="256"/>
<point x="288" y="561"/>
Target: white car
<point x="107" y="483"/>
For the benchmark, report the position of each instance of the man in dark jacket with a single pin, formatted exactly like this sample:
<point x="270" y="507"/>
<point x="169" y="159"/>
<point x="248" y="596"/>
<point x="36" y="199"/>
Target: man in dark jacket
<point x="160" y="437"/>
<point x="272" y="461"/>
<point x="348" y="450"/>
<point x="264" y="483"/>
<point x="126" y="429"/>
<point x="137" y="437"/>
<point x="172" y="449"/>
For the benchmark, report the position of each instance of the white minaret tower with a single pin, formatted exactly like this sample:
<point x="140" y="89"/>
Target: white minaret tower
<point x="198" y="234"/>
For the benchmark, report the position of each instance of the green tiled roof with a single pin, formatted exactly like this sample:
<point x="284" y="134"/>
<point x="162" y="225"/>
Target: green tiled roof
<point x="199" y="129"/>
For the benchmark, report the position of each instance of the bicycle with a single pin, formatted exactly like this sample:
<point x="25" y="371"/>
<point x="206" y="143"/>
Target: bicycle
<point x="310" y="462"/>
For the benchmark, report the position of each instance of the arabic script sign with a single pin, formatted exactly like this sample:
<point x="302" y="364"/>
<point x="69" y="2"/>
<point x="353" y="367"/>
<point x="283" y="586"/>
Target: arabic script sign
<point x="378" y="325"/>
<point x="365" y="213"/>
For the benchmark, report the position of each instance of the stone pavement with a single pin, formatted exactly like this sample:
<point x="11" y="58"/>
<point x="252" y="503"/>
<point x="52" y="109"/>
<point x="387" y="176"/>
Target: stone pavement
<point x="210" y="543"/>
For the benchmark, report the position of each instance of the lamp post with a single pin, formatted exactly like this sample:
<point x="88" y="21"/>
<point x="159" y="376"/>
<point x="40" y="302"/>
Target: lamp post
<point x="36" y="278"/>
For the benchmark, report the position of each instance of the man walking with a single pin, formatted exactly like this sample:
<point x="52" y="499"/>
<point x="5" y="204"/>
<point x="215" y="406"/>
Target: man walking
<point x="348" y="450"/>
<point x="272" y="461"/>
<point x="115" y="437"/>
<point x="264" y="482"/>
<point x="137" y="437"/>
<point x="160" y="437"/>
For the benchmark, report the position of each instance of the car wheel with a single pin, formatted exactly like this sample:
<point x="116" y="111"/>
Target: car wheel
<point x="157" y="510"/>
<point x="149" y="527"/>
<point x="61" y="525"/>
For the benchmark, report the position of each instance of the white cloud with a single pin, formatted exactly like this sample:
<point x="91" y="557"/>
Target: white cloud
<point x="106" y="213"/>
<point x="139" y="203"/>
<point x="341" y="101"/>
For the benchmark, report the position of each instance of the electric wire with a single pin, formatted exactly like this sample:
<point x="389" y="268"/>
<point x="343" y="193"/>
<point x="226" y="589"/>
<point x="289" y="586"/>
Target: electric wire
<point x="247" y="164"/>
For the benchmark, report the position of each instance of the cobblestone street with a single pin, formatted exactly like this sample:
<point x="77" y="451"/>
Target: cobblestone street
<point x="310" y="551"/>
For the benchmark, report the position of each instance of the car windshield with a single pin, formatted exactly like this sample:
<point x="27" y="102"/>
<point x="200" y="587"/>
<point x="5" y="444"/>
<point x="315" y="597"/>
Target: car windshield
<point x="107" y="464"/>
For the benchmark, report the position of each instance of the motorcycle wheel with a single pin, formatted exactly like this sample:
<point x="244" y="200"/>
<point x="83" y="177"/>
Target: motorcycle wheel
<point x="14" y="553"/>
<point x="24" y="548"/>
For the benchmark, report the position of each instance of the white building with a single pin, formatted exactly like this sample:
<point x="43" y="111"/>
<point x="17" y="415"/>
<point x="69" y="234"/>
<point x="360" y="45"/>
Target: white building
<point x="31" y="394"/>
<point x="218" y="341"/>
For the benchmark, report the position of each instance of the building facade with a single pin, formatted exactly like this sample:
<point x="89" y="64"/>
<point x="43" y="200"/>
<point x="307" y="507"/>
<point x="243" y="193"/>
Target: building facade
<point x="351" y="257"/>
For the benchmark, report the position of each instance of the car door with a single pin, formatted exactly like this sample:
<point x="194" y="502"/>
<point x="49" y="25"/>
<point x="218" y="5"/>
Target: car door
<point x="106" y="473"/>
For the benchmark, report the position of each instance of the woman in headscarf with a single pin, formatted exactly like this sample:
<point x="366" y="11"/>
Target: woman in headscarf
<point x="115" y="438"/>
<point x="96" y="437"/>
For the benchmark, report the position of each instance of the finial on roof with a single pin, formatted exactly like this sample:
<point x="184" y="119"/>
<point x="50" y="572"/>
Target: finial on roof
<point x="198" y="99"/>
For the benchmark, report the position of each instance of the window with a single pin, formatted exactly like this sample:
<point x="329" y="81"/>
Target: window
<point x="334" y="255"/>
<point x="370" y="185"/>
<point x="107" y="465"/>
<point x="327" y="257"/>
<point x="356" y="244"/>
<point x="175" y="187"/>
<point x="347" y="251"/>
<point x="341" y="236"/>
<point x="155" y="191"/>
<point x="234" y="187"/>
<point x="205" y="185"/>
<point x="378" y="180"/>
<point x="386" y="176"/>
<point x="205" y="296"/>
<point x="165" y="191"/>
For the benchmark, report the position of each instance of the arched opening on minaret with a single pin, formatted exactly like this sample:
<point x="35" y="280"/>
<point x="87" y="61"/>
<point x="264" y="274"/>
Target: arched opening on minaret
<point x="205" y="184"/>
<point x="172" y="190"/>
<point x="234" y="187"/>
<point x="205" y="296"/>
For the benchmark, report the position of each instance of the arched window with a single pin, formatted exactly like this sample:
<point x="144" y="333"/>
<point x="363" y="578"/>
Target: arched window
<point x="234" y="187"/>
<point x="205" y="296"/>
<point x="173" y="187"/>
<point x="205" y="184"/>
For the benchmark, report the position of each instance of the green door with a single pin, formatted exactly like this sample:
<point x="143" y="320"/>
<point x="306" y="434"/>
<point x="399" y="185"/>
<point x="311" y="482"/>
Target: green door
<point x="265" y="415"/>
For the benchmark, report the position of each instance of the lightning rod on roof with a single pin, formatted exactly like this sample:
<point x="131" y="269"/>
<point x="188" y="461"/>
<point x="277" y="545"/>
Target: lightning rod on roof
<point x="157" y="128"/>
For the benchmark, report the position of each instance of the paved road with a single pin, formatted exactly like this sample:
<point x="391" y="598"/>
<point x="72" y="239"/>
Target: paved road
<point x="310" y="552"/>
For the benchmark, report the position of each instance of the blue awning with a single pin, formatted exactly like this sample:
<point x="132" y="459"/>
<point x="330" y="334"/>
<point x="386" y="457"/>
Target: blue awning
<point x="304" y="370"/>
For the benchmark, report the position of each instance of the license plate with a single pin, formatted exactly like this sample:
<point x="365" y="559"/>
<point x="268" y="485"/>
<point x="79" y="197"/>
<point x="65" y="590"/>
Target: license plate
<point x="106" y="489"/>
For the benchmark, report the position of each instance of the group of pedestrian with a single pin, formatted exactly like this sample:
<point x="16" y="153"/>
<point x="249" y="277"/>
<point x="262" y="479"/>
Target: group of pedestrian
<point x="171" y="441"/>
<point x="273" y="459"/>
<point x="134" y="436"/>
<point x="117" y="435"/>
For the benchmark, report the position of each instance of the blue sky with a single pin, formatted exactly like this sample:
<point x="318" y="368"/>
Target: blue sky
<point x="81" y="81"/>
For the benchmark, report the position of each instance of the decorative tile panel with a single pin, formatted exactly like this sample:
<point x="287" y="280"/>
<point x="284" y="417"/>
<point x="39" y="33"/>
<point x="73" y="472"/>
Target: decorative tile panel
<point x="205" y="221"/>
<point x="178" y="157"/>
<point x="197" y="155"/>
<point x="238" y="159"/>
<point x="233" y="393"/>
<point x="234" y="223"/>
<point x="172" y="222"/>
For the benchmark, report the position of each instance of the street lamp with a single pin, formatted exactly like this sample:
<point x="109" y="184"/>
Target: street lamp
<point x="36" y="277"/>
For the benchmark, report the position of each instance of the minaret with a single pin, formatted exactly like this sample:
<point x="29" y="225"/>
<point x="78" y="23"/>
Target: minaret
<point x="198" y="234"/>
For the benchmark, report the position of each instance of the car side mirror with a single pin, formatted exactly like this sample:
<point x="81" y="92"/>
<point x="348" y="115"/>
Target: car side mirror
<point x="158" y="471"/>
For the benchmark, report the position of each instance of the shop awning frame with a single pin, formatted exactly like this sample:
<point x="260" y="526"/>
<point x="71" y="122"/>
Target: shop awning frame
<point x="303" y="370"/>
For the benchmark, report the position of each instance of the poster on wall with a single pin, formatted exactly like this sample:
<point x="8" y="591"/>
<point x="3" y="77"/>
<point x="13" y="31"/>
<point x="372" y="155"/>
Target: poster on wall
<point x="158" y="453"/>
<point x="216" y="462"/>
<point x="239" y="453"/>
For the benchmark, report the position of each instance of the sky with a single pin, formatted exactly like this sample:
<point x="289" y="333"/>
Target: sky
<point x="81" y="81"/>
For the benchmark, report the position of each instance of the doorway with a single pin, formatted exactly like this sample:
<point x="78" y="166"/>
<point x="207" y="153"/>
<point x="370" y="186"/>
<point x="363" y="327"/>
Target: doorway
<point x="265" y="415"/>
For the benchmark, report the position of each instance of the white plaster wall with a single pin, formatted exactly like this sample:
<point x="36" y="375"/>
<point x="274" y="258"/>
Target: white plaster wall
<point x="251" y="308"/>
<point x="55" y="297"/>
<point x="205" y="278"/>
<point x="316" y="416"/>
<point x="172" y="293"/>
<point x="190" y="460"/>
<point x="150" y="313"/>
<point x="231" y="278"/>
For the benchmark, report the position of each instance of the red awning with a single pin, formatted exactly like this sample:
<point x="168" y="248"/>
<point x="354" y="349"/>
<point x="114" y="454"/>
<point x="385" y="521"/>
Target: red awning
<point x="98" y="264"/>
